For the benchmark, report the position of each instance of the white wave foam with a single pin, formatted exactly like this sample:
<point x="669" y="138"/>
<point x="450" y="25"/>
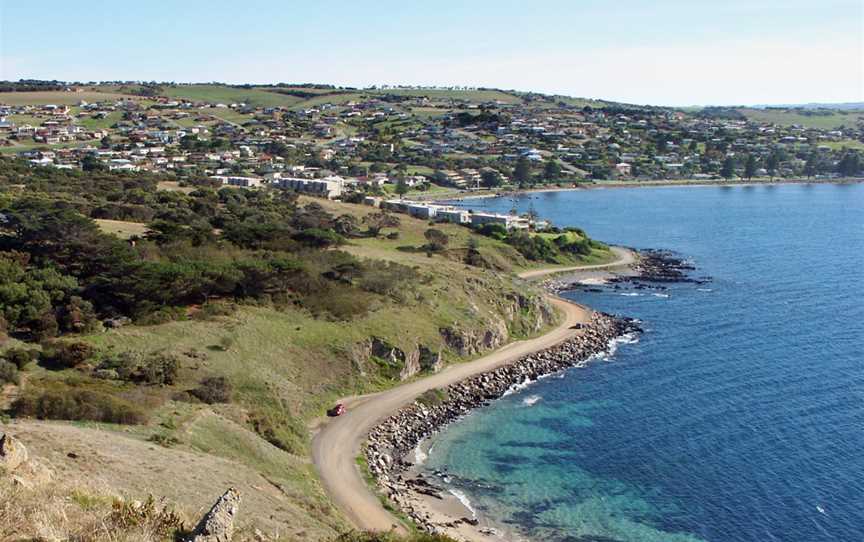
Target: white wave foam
<point x="420" y="456"/>
<point x="465" y="501"/>
<point x="704" y="289"/>
<point x="531" y="400"/>
<point x="612" y="347"/>
<point x="660" y="295"/>
<point x="516" y="387"/>
<point x="631" y="294"/>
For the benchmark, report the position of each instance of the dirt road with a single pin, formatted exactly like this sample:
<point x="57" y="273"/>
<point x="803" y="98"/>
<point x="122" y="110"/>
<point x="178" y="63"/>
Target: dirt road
<point x="338" y="441"/>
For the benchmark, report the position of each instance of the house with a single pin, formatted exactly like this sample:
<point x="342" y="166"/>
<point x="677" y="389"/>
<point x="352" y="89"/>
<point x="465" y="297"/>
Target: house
<point x="236" y="180"/>
<point x="623" y="168"/>
<point x="450" y="214"/>
<point x="508" y="221"/>
<point x="329" y="187"/>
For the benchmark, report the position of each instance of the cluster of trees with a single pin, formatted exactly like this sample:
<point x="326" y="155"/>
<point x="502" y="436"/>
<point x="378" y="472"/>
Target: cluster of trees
<point x="544" y="248"/>
<point x="849" y="164"/>
<point x="59" y="273"/>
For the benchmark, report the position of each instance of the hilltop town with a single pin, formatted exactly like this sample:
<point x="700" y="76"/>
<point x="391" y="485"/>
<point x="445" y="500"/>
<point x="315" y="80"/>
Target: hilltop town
<point x="422" y="141"/>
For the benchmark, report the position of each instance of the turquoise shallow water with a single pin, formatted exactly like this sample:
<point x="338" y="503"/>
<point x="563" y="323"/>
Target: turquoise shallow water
<point x="739" y="413"/>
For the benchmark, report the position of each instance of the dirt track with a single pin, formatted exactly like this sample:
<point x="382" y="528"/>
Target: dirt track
<point x="338" y="441"/>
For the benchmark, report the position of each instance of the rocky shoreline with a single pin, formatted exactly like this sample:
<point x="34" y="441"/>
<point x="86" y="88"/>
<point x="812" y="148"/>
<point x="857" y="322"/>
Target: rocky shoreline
<point x="392" y="441"/>
<point x="653" y="270"/>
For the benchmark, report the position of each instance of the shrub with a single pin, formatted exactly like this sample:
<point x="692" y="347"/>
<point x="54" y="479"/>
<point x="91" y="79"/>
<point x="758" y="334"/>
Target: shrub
<point x="433" y="397"/>
<point x="160" y="369"/>
<point x="215" y="309"/>
<point x="339" y="301"/>
<point x="214" y="389"/>
<point x="65" y="354"/>
<point x="9" y="373"/>
<point x="66" y="403"/>
<point x="20" y="357"/>
<point x="156" y="368"/>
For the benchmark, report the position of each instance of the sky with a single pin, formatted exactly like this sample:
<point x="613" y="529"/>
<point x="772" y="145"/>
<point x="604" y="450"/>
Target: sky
<point x="664" y="52"/>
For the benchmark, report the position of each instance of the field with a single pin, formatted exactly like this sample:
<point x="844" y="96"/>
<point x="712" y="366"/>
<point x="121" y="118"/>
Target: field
<point x="58" y="97"/>
<point x="829" y="120"/>
<point x="228" y="95"/>
<point x="26" y="146"/>
<point x="476" y="96"/>
<point x="122" y="229"/>
<point x="844" y="144"/>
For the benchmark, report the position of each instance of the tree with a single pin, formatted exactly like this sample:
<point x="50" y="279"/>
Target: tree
<point x="402" y="188"/>
<point x="491" y="178"/>
<point x="522" y="173"/>
<point x="728" y="170"/>
<point x="849" y="165"/>
<point x="771" y="163"/>
<point x="750" y="167"/>
<point x="812" y="165"/>
<point x="551" y="170"/>
<point x="380" y="220"/>
<point x="91" y="163"/>
<point x="438" y="240"/>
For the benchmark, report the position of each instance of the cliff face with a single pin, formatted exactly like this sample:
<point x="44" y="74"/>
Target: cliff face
<point x="513" y="315"/>
<point x="518" y="314"/>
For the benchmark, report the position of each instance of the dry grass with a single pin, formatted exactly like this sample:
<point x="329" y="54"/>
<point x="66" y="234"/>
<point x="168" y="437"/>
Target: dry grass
<point x="74" y="509"/>
<point x="121" y="228"/>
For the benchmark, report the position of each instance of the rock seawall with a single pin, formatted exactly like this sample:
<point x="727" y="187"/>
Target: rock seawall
<point x="392" y="440"/>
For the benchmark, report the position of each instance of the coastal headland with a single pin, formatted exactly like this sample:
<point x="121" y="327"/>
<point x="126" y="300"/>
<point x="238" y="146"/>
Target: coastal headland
<point x="339" y="442"/>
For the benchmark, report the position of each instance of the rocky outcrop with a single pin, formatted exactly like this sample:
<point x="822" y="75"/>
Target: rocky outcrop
<point x="430" y="361"/>
<point x="12" y="453"/>
<point x="391" y="441"/>
<point x="402" y="365"/>
<point x="468" y="342"/>
<point x="16" y="462"/>
<point x="217" y="525"/>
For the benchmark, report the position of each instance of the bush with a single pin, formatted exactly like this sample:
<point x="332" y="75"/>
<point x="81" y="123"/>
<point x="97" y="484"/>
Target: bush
<point x="9" y="373"/>
<point x="215" y="309"/>
<point x="160" y="369"/>
<point x="339" y="301"/>
<point x="66" y="403"/>
<point x="20" y="357"/>
<point x="156" y="368"/>
<point x="215" y="389"/>
<point x="64" y="355"/>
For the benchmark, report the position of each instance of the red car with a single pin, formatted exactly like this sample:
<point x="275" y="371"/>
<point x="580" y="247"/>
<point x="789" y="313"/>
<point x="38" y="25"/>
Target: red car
<point x="337" y="410"/>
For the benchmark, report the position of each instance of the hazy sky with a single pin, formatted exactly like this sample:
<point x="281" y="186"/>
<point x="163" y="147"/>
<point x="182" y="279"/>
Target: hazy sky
<point x="670" y="52"/>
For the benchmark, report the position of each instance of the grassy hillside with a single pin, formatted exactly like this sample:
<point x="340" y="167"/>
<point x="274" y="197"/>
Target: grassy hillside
<point x="822" y="119"/>
<point x="285" y="364"/>
<point x="57" y="97"/>
<point x="228" y="95"/>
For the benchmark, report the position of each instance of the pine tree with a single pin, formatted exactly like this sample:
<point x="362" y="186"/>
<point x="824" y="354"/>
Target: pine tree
<point x="551" y="170"/>
<point x="522" y="173"/>
<point x="728" y="170"/>
<point x="750" y="167"/>
<point x="772" y="163"/>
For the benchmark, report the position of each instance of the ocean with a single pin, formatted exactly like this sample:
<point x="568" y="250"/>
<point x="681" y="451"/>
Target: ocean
<point x="738" y="415"/>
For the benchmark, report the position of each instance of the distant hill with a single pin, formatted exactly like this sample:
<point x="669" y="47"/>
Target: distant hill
<point x="847" y="106"/>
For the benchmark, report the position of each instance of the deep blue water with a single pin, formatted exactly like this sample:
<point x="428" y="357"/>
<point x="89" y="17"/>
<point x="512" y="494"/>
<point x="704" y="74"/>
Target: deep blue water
<point x="739" y="413"/>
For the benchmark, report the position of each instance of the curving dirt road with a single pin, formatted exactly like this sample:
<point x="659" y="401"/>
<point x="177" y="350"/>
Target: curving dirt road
<point x="338" y="440"/>
<point x="625" y="257"/>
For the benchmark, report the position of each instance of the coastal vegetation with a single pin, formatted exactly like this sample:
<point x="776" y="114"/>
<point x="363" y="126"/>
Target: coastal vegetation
<point x="219" y="323"/>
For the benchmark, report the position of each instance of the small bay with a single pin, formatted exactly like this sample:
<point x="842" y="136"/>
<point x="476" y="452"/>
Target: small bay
<point x="739" y="413"/>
